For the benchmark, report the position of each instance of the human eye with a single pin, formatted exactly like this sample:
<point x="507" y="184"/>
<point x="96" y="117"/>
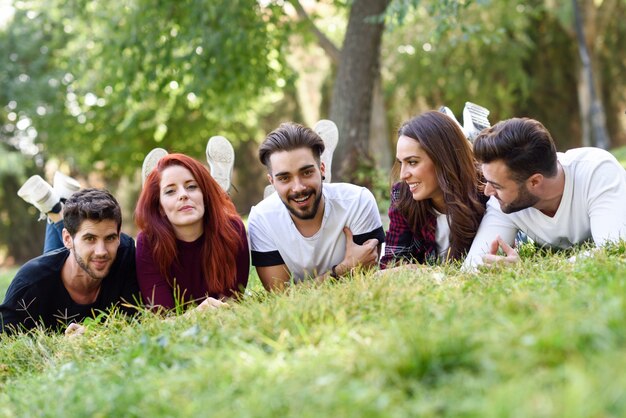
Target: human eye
<point x="308" y="173"/>
<point x="282" y="179"/>
<point x="413" y="163"/>
<point x="192" y="186"/>
<point x="111" y="238"/>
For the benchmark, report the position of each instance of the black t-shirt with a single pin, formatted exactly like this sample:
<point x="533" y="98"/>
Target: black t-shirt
<point x="37" y="294"/>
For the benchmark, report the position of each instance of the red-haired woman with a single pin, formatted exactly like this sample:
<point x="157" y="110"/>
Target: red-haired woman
<point x="192" y="246"/>
<point x="438" y="203"/>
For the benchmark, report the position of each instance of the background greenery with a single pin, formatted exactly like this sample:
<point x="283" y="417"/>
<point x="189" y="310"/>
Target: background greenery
<point x="89" y="87"/>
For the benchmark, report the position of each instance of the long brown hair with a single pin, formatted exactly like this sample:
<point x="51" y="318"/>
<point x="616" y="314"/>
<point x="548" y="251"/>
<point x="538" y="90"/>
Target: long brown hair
<point x="457" y="174"/>
<point x="221" y="237"/>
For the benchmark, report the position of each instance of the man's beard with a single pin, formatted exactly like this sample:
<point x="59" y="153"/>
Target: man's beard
<point x="304" y="215"/>
<point x="524" y="200"/>
<point x="85" y="267"/>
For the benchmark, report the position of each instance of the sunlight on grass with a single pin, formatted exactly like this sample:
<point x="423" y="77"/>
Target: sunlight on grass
<point x="547" y="338"/>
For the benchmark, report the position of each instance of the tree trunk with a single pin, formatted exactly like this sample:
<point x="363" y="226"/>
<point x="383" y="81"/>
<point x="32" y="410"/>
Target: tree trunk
<point x="591" y="109"/>
<point x="379" y="129"/>
<point x="354" y="88"/>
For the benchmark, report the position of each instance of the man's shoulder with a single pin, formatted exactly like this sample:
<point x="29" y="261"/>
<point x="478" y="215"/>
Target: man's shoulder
<point x="585" y="154"/>
<point x="126" y="241"/>
<point x="127" y="246"/>
<point x="270" y="208"/>
<point x="589" y="164"/>
<point x="38" y="271"/>
<point x="346" y="192"/>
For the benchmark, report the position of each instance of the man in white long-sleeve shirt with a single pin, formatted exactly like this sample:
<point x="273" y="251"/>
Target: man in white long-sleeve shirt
<point x="557" y="199"/>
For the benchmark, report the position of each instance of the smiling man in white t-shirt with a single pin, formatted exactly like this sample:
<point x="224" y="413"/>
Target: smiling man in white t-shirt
<point x="557" y="199"/>
<point x="309" y="229"/>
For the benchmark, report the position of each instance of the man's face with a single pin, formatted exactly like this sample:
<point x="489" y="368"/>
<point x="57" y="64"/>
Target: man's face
<point x="94" y="247"/>
<point x="297" y="179"/>
<point x="513" y="196"/>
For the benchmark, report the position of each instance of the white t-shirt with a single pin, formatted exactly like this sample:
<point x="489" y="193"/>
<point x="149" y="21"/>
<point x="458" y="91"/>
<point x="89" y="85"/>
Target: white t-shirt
<point x="593" y="207"/>
<point x="442" y="236"/>
<point x="275" y="240"/>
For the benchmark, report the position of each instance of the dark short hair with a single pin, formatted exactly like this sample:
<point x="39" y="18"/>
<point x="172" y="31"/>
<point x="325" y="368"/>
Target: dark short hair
<point x="90" y="204"/>
<point x="523" y="144"/>
<point x="287" y="137"/>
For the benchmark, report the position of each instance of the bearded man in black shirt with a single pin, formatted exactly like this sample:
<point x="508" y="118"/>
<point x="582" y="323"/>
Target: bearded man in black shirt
<point x="92" y="273"/>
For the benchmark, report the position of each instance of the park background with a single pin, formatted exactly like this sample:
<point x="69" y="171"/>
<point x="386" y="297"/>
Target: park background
<point x="89" y="87"/>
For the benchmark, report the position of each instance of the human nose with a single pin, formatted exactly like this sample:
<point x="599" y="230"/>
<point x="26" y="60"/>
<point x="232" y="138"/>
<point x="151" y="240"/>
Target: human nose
<point x="404" y="172"/>
<point x="489" y="189"/>
<point x="100" y="247"/>
<point x="297" y="185"/>
<point x="182" y="194"/>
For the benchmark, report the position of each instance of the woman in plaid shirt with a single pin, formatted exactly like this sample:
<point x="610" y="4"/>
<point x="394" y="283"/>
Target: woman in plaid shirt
<point x="438" y="203"/>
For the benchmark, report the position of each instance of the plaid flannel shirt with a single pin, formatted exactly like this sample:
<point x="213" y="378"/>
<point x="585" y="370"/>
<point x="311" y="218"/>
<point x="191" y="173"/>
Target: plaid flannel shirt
<point x="402" y="244"/>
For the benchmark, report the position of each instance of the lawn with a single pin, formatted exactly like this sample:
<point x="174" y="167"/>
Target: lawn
<point x="544" y="339"/>
<point x="6" y="275"/>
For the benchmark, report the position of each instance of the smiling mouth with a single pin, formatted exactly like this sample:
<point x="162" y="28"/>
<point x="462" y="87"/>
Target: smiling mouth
<point x="100" y="264"/>
<point x="301" y="199"/>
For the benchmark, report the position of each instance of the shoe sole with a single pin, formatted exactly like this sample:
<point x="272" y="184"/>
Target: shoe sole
<point x="39" y="193"/>
<point x="221" y="157"/>
<point x="64" y="185"/>
<point x="475" y="119"/>
<point x="150" y="162"/>
<point x="327" y="130"/>
<point x="269" y="189"/>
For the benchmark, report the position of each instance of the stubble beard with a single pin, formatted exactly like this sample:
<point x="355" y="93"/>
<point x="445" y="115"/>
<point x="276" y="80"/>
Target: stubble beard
<point x="524" y="200"/>
<point x="304" y="215"/>
<point x="81" y="262"/>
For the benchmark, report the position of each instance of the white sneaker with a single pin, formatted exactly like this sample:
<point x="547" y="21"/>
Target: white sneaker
<point x="150" y="162"/>
<point x="446" y="110"/>
<point x="221" y="157"/>
<point x="269" y="189"/>
<point x="474" y="119"/>
<point x="40" y="194"/>
<point x="327" y="130"/>
<point x="64" y="185"/>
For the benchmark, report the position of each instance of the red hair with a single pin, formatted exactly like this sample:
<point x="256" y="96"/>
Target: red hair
<point x="221" y="237"/>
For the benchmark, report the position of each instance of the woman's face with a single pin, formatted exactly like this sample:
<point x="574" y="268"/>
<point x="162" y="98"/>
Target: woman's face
<point x="182" y="201"/>
<point x="417" y="170"/>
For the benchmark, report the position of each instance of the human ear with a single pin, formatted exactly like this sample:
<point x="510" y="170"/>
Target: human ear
<point x="535" y="180"/>
<point x="67" y="239"/>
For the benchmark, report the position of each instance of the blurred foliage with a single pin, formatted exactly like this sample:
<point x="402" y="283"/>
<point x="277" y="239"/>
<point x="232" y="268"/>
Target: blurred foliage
<point x="515" y="57"/>
<point x="105" y="81"/>
<point x="18" y="223"/>
<point x="95" y="85"/>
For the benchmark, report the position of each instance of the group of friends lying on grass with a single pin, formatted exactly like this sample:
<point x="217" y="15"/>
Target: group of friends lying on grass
<point x="453" y="200"/>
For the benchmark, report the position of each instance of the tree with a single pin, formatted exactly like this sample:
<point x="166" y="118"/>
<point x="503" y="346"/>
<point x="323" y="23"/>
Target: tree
<point x="591" y="109"/>
<point x="353" y="89"/>
<point x="101" y="83"/>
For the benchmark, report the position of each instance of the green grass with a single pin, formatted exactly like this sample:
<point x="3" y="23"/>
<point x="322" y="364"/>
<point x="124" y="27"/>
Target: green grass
<point x="544" y="339"/>
<point x="6" y="275"/>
